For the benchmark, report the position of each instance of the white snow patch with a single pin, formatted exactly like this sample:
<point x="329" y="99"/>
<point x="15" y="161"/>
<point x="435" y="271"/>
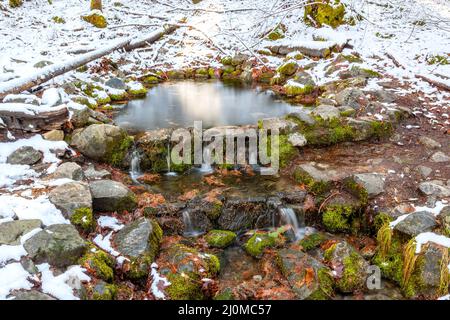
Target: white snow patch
<point x="105" y="243"/>
<point x="158" y="281"/>
<point x="426" y="237"/>
<point x="13" y="277"/>
<point x="110" y="223"/>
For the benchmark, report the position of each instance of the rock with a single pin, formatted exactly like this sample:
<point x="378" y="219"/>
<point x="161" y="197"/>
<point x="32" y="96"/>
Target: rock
<point x="444" y="218"/>
<point x="297" y="139"/>
<point x="25" y="155"/>
<point x="239" y="59"/>
<point x="30" y="295"/>
<point x="424" y="171"/>
<point x="80" y="116"/>
<point x="351" y="97"/>
<point x="60" y="245"/>
<point x="326" y="112"/>
<point x="301" y="83"/>
<point x="220" y="238"/>
<point x="302" y="116"/>
<point x="242" y="213"/>
<point x="348" y="265"/>
<point x="111" y="196"/>
<point x="288" y="68"/>
<point x="139" y="241"/>
<point x="439" y="157"/>
<point x="103" y="142"/>
<point x="41" y="64"/>
<point x="416" y="222"/>
<point x="71" y="196"/>
<point x="384" y="96"/>
<point x="315" y="49"/>
<point x="373" y="183"/>
<point x="429" y="143"/>
<point x="309" y="278"/>
<point x="283" y="125"/>
<point x="22" y="98"/>
<point x="116" y="83"/>
<point x="99" y="262"/>
<point x="96" y="18"/>
<point x="434" y="188"/>
<point x="259" y="242"/>
<point x="12" y="231"/>
<point x="317" y="177"/>
<point x="54" y="135"/>
<point x="69" y="170"/>
<point x="100" y="291"/>
<point x="91" y="174"/>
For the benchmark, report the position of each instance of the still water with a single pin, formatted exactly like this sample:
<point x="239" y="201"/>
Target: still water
<point x="179" y="104"/>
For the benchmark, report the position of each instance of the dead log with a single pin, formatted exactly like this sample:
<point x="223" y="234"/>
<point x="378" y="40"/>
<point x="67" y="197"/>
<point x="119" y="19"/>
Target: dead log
<point x="435" y="83"/>
<point x="30" y="118"/>
<point x="18" y="85"/>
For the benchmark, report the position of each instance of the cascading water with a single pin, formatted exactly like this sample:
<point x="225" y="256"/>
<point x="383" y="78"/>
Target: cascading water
<point x="189" y="229"/>
<point x="206" y="163"/>
<point x="289" y="217"/>
<point x="169" y="162"/>
<point x="135" y="166"/>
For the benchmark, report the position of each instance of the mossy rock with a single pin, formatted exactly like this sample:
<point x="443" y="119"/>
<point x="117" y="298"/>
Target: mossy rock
<point x="438" y="59"/>
<point x="83" y="218"/>
<point x="312" y="241"/>
<point x="220" y="238"/>
<point x="99" y="262"/>
<point x="96" y="18"/>
<point x="202" y="73"/>
<point x="288" y="68"/>
<point x="256" y="245"/>
<point x="338" y="218"/>
<point x="137" y="92"/>
<point x="277" y="33"/>
<point x="100" y="291"/>
<point x="176" y="74"/>
<point x="86" y="101"/>
<point x="225" y="294"/>
<point x="150" y="80"/>
<point x="286" y="151"/>
<point x="316" y="186"/>
<point x="293" y="88"/>
<point x="15" y="3"/>
<point x="57" y="19"/>
<point x="329" y="12"/>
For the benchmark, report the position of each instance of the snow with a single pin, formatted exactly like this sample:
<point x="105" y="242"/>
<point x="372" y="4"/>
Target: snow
<point x="157" y="281"/>
<point x="435" y="211"/>
<point x="110" y="223"/>
<point x="27" y="98"/>
<point x="13" y="277"/>
<point x="63" y="285"/>
<point x="426" y="237"/>
<point x="105" y="243"/>
<point x="51" y="97"/>
<point x="10" y="173"/>
<point x="28" y="109"/>
<point x="8" y="253"/>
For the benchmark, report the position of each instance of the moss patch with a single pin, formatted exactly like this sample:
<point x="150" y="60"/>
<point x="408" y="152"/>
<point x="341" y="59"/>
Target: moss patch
<point x="312" y="241"/>
<point x="338" y="218"/>
<point x="220" y="238"/>
<point x="330" y="12"/>
<point x="96" y="18"/>
<point x="84" y="219"/>
<point x="256" y="245"/>
<point x="98" y="262"/>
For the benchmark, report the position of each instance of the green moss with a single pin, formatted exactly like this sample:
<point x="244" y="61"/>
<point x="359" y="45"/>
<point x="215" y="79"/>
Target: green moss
<point x="312" y="241"/>
<point x="337" y="218"/>
<point x="348" y="113"/>
<point x="329" y="12"/>
<point x="380" y="220"/>
<point x="315" y="186"/>
<point x="438" y="59"/>
<point x="350" y="58"/>
<point x="138" y="93"/>
<point x="256" y="245"/>
<point x="288" y="68"/>
<point x="220" y="238"/>
<point x="225" y="294"/>
<point x="350" y="279"/>
<point x="117" y="152"/>
<point x="277" y="33"/>
<point x="226" y="61"/>
<point x="108" y="292"/>
<point x="391" y="262"/>
<point x="150" y="80"/>
<point x="381" y="129"/>
<point x="84" y="219"/>
<point x="119" y="95"/>
<point x="15" y="3"/>
<point x="99" y="262"/>
<point x="202" y="73"/>
<point x="286" y="151"/>
<point x="216" y="210"/>
<point x="85" y="101"/>
<point x="96" y="19"/>
<point x="213" y="264"/>
<point x="298" y="89"/>
<point x="185" y="286"/>
<point x="175" y="74"/>
<point x="357" y="190"/>
<point x="325" y="290"/>
<point x="57" y="19"/>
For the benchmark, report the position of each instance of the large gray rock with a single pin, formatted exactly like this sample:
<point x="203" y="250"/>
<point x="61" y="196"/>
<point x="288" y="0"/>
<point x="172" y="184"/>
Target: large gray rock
<point x="60" y="245"/>
<point x="372" y="182"/>
<point x="110" y="196"/>
<point x="71" y="196"/>
<point x="351" y="97"/>
<point x="242" y="213"/>
<point x="103" y="142"/>
<point x="297" y="139"/>
<point x="440" y="157"/>
<point x="69" y="170"/>
<point x="116" y="83"/>
<point x="416" y="222"/>
<point x="139" y="241"/>
<point x="24" y="155"/>
<point x="30" y="295"/>
<point x="91" y="174"/>
<point x="11" y="231"/>
<point x="434" y="188"/>
<point x="326" y="112"/>
<point x="296" y="266"/>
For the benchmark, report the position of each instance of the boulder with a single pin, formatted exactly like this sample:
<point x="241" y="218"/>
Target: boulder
<point x="444" y="218"/>
<point x="91" y="174"/>
<point x="434" y="188"/>
<point x="71" y="196"/>
<point x="220" y="238"/>
<point x="429" y="143"/>
<point x="297" y="139"/>
<point x="54" y="135"/>
<point x="416" y="222"/>
<point x="69" y="170"/>
<point x="326" y="112"/>
<point x="60" y="245"/>
<point x="242" y="213"/>
<point x="116" y="83"/>
<point x="25" y="155"/>
<point x="12" y="231"/>
<point x="373" y="183"/>
<point x="110" y="196"/>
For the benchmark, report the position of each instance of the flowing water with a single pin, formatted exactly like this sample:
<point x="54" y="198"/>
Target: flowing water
<point x="189" y="228"/>
<point x="179" y="104"/>
<point x="289" y="217"/>
<point x="135" y="168"/>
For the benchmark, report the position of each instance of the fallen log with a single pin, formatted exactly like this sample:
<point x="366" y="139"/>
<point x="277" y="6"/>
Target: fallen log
<point x="18" y="85"/>
<point x="31" y="118"/>
<point x="440" y="85"/>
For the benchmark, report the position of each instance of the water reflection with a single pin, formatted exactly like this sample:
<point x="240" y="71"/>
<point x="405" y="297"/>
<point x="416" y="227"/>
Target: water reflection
<point x="179" y="104"/>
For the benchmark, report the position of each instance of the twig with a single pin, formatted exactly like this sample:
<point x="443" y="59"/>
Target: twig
<point x="328" y="199"/>
<point x="206" y="10"/>
<point x="396" y="63"/>
<point x="141" y="14"/>
<point x="249" y="50"/>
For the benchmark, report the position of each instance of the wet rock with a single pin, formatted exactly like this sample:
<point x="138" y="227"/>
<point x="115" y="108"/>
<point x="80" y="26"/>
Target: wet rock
<point x="309" y="278"/>
<point x="302" y="116"/>
<point x="326" y="112"/>
<point x="439" y="157"/>
<point x="116" y="83"/>
<point x="348" y="265"/>
<point x="103" y="142"/>
<point x="100" y="291"/>
<point x="429" y="143"/>
<point x="288" y="68"/>
<point x="241" y="214"/>
<point x="71" y="196"/>
<point x="139" y="241"/>
<point x="69" y="170"/>
<point x="284" y="125"/>
<point x="30" y="295"/>
<point x="25" y="155"/>
<point x="60" y="245"/>
<point x="54" y="135"/>
<point x="319" y="49"/>
<point x="91" y="174"/>
<point x="153" y="146"/>
<point x="259" y="242"/>
<point x="12" y="231"/>
<point x="297" y="139"/>
<point x="351" y="97"/>
<point x="110" y="196"/>
<point x="220" y="238"/>
<point x="80" y="116"/>
<point x="373" y="183"/>
<point x="99" y="263"/>
<point x="317" y="177"/>
<point x="434" y="188"/>
<point x="416" y="223"/>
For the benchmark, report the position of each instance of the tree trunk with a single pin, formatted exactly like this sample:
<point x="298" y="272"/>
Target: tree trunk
<point x="33" y="120"/>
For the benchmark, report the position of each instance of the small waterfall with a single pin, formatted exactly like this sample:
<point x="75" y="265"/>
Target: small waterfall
<point x="206" y="163"/>
<point x="169" y="162"/>
<point x="289" y="217"/>
<point x="135" y="166"/>
<point x="189" y="229"/>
